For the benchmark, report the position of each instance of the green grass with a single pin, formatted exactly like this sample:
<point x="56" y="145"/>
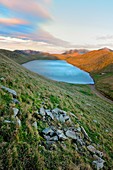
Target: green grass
<point x="104" y="81"/>
<point x="22" y="148"/>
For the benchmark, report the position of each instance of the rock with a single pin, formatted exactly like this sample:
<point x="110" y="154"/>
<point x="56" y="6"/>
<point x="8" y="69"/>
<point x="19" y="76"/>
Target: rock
<point x="47" y="137"/>
<point x="49" y="114"/>
<point x="107" y="130"/>
<point x="85" y="133"/>
<point x="61" y="135"/>
<point x="95" y="157"/>
<point x="2" y="78"/>
<point x="87" y="104"/>
<point x="15" y="111"/>
<point x="80" y="141"/>
<point x="35" y="125"/>
<point x="71" y="134"/>
<point x="61" y="118"/>
<point x="8" y="121"/>
<point x="73" y="115"/>
<point x="91" y="148"/>
<point x="79" y="129"/>
<point x="54" y="138"/>
<point x="13" y="92"/>
<point x="67" y="118"/>
<point x="95" y="121"/>
<point x="47" y="131"/>
<point x="56" y="111"/>
<point x="42" y="111"/>
<point x="16" y="101"/>
<point x="99" y="164"/>
<point x="18" y="122"/>
<point x="99" y="153"/>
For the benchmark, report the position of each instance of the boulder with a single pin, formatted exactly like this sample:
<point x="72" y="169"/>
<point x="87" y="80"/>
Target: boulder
<point x="42" y="111"/>
<point x="56" y="111"/>
<point x="49" y="114"/>
<point x="16" y="101"/>
<point x="99" y="164"/>
<point x="91" y="148"/>
<point x="54" y="138"/>
<point x="61" y="135"/>
<point x="71" y="134"/>
<point x="47" y="131"/>
<point x="15" y="111"/>
<point x="61" y="118"/>
<point x="99" y="153"/>
<point x="13" y="92"/>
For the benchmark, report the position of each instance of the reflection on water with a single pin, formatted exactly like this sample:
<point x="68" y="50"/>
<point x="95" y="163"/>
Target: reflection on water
<point x="60" y="71"/>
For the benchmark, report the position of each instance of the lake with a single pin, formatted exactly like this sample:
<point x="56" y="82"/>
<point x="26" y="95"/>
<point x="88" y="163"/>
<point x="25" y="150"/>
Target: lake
<point x="59" y="70"/>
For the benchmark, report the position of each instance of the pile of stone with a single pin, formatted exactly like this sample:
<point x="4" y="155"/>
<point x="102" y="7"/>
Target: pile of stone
<point x="52" y="134"/>
<point x="58" y="114"/>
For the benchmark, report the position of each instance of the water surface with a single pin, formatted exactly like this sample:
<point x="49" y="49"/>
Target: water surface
<point x="59" y="70"/>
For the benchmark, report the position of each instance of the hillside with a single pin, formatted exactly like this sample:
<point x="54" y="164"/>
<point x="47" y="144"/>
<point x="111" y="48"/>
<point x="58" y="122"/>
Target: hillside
<point x="23" y="122"/>
<point x="23" y="56"/>
<point x="99" y="64"/>
<point x="104" y="81"/>
<point x="93" y="61"/>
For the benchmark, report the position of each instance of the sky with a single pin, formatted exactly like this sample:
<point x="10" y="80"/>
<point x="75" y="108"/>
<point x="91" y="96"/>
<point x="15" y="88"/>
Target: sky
<point x="56" y="25"/>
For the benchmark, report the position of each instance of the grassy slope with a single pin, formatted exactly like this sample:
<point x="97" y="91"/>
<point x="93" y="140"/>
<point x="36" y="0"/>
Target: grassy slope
<point x="93" y="61"/>
<point x="20" y="58"/>
<point x="96" y="62"/>
<point x="21" y="148"/>
<point x="104" y="81"/>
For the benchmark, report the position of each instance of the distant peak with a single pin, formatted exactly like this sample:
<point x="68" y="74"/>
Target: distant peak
<point x="106" y="49"/>
<point x="79" y="51"/>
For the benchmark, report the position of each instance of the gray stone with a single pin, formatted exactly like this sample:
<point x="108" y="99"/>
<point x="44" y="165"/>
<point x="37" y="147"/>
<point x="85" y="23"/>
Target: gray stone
<point x="95" y="121"/>
<point x="80" y="141"/>
<point x="15" y="111"/>
<point x="54" y="138"/>
<point x="71" y="134"/>
<point x="73" y="115"/>
<point x="49" y="114"/>
<point x="61" y="135"/>
<point x="8" y="121"/>
<point x="2" y="78"/>
<point x="13" y="92"/>
<point x="84" y="132"/>
<point x="99" y="153"/>
<point x="42" y="111"/>
<point x="67" y="118"/>
<point x="16" y="101"/>
<point x="47" y="131"/>
<point x="91" y="148"/>
<point x="99" y="164"/>
<point x="47" y="137"/>
<point x="61" y="118"/>
<point x="18" y="122"/>
<point x="56" y="111"/>
<point x="78" y="129"/>
<point x="35" y="125"/>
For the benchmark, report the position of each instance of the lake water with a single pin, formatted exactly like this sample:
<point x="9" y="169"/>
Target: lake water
<point x="59" y="70"/>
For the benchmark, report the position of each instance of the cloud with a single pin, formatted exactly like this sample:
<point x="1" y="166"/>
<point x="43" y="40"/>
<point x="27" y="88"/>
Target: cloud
<point x="105" y="37"/>
<point x="31" y="7"/>
<point x="12" y="21"/>
<point x="17" y="43"/>
<point x="45" y="36"/>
